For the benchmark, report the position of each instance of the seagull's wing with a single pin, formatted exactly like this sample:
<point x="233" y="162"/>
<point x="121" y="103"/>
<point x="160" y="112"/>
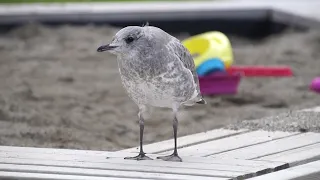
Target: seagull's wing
<point x="185" y="57"/>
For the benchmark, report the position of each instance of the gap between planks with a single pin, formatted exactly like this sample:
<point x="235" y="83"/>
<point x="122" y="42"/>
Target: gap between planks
<point x="233" y="143"/>
<point x="296" y="156"/>
<point x="272" y="147"/>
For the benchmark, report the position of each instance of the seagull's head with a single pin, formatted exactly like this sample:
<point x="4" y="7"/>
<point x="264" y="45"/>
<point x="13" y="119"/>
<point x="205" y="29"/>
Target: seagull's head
<point x="135" y="39"/>
<point x="126" y="41"/>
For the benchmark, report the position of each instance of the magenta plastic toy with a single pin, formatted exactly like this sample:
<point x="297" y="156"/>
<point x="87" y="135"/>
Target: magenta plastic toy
<point x="219" y="83"/>
<point x="315" y="85"/>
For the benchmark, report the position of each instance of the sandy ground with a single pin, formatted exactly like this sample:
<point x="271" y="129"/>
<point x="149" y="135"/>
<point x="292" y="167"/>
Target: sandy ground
<point x="57" y="91"/>
<point x="289" y="121"/>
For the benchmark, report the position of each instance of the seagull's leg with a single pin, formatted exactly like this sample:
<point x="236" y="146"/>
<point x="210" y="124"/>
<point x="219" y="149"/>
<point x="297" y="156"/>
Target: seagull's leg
<point x="141" y="155"/>
<point x="174" y="156"/>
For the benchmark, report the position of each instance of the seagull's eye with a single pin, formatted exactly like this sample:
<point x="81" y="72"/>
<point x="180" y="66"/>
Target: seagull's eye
<point x="129" y="40"/>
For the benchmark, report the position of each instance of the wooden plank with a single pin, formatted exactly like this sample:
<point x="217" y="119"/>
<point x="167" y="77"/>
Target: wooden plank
<point x="188" y="140"/>
<point x="298" y="173"/>
<point x="123" y="164"/>
<point x="233" y="142"/>
<point x="54" y="151"/>
<point x="272" y="147"/>
<point x="99" y="172"/>
<point x="122" y="167"/>
<point x="80" y="155"/>
<point x="296" y="156"/>
<point x="43" y="176"/>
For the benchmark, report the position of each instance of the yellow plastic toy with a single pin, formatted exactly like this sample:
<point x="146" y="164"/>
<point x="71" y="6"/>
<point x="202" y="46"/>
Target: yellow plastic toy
<point x="210" y="45"/>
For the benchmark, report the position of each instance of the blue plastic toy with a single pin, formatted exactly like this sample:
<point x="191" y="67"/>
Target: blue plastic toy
<point x="209" y="66"/>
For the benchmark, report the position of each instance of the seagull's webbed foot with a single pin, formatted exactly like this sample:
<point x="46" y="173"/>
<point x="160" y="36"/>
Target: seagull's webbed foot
<point x="141" y="156"/>
<point x="173" y="157"/>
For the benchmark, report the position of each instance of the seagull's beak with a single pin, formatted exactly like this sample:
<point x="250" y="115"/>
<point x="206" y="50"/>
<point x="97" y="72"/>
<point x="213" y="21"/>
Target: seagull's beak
<point x="106" y="48"/>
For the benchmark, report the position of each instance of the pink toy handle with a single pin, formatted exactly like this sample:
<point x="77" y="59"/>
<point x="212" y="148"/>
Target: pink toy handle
<point x="254" y="71"/>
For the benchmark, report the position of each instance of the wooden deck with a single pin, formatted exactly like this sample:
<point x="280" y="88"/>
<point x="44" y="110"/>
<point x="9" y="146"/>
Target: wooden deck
<point x="77" y="164"/>
<point x="219" y="154"/>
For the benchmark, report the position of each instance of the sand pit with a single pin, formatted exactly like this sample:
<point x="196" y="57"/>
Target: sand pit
<point x="57" y="91"/>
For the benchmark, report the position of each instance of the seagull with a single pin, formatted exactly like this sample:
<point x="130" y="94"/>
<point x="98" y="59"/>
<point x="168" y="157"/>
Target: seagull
<point x="157" y="71"/>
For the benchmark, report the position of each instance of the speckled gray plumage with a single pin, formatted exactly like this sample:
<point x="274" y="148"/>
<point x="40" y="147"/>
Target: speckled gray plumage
<point x="156" y="69"/>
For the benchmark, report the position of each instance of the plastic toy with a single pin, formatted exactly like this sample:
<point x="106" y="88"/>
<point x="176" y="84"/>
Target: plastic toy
<point x="315" y="84"/>
<point x="210" y="66"/>
<point x="219" y="83"/>
<point x="207" y="46"/>
<point x="256" y="71"/>
<point x="213" y="58"/>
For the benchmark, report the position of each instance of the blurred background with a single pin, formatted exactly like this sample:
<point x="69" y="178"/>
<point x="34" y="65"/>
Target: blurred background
<point x="57" y="91"/>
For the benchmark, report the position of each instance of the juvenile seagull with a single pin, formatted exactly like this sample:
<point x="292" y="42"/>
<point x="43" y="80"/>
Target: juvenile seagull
<point x="156" y="70"/>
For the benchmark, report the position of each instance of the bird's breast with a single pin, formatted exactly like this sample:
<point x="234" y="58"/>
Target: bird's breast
<point x="144" y="68"/>
<point x="156" y="83"/>
<point x="161" y="91"/>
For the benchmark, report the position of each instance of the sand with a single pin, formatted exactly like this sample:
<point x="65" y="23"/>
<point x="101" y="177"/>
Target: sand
<point x="292" y="121"/>
<point x="57" y="91"/>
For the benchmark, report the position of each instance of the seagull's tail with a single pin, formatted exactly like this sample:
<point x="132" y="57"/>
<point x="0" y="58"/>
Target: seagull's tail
<point x="201" y="101"/>
<point x="196" y="99"/>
